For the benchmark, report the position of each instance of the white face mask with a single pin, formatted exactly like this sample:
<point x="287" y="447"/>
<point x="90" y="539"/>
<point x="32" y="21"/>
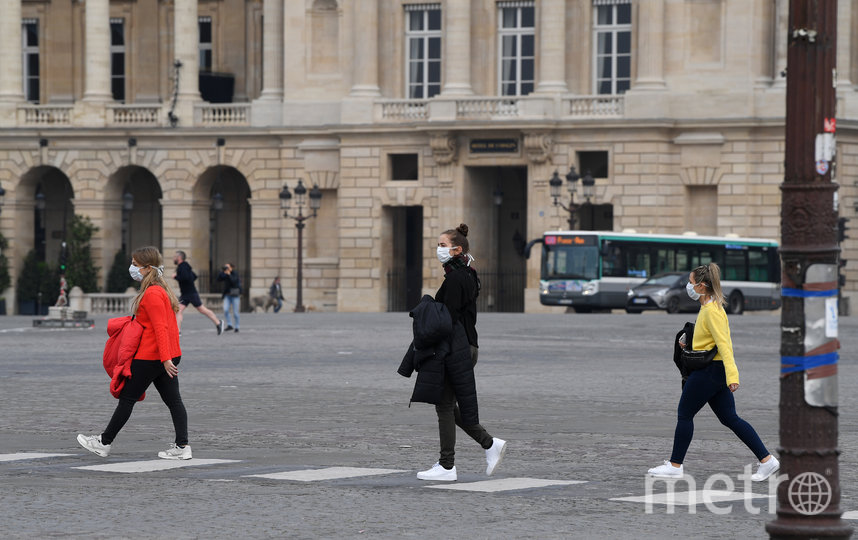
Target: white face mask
<point x="443" y="254"/>
<point x="134" y="272"/>
<point x="689" y="288"/>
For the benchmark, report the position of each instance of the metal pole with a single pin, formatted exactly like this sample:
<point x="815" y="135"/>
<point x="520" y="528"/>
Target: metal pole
<point x="809" y="493"/>
<point x="299" y="301"/>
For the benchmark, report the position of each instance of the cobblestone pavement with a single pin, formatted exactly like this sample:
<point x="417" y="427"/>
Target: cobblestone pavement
<point x="587" y="398"/>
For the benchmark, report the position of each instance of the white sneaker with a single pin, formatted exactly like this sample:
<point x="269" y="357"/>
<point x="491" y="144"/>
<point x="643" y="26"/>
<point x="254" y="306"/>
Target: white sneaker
<point x="666" y="471"/>
<point x="766" y="469"/>
<point x="494" y="455"/>
<point x="93" y="444"/>
<point x="220" y="327"/>
<point x="176" y="452"/>
<point x="437" y="472"/>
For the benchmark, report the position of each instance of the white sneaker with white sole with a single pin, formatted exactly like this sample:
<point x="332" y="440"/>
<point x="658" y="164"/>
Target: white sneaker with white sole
<point x="93" y="444"/>
<point x="437" y="472"/>
<point x="766" y="469"/>
<point x="666" y="470"/>
<point x="494" y="455"/>
<point x="176" y="452"/>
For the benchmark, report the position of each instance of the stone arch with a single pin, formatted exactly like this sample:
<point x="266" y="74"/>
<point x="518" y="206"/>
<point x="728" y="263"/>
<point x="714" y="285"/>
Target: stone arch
<point x="220" y="231"/>
<point x="43" y="225"/>
<point x="132" y="205"/>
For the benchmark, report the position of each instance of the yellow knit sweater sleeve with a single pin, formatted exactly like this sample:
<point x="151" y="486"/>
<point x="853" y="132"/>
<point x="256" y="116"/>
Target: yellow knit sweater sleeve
<point x="713" y="328"/>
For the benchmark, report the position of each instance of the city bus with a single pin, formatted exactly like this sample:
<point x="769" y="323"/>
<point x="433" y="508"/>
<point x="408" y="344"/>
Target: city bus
<point x="595" y="270"/>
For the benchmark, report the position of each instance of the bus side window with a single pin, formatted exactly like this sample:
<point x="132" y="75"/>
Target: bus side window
<point x="735" y="267"/>
<point x="758" y="265"/>
<point x="612" y="262"/>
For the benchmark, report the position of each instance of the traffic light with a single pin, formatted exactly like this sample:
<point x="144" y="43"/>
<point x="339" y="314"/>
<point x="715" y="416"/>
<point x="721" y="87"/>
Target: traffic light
<point x="841" y="229"/>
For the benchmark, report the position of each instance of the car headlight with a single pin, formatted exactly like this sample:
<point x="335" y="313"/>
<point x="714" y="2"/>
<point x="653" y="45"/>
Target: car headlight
<point x="630" y="293"/>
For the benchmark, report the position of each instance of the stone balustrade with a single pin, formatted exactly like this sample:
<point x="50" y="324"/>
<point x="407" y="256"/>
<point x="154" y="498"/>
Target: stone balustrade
<point x="45" y="115"/>
<point x="136" y="115"/>
<point x="222" y="114"/>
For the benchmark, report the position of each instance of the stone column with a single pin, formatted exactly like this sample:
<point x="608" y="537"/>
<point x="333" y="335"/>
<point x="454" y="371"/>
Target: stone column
<point x="11" y="71"/>
<point x="272" y="51"/>
<point x="457" y="48"/>
<point x="186" y="48"/>
<point x="97" y="51"/>
<point x="650" y="53"/>
<point x="844" y="43"/>
<point x="781" y="30"/>
<point x="552" y="46"/>
<point x="365" y="75"/>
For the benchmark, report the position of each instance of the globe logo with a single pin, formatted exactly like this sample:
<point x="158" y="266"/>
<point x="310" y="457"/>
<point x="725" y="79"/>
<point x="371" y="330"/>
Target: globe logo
<point x="809" y="493"/>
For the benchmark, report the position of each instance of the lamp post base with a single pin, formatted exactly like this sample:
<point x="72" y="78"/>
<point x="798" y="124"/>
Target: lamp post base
<point x="300" y="309"/>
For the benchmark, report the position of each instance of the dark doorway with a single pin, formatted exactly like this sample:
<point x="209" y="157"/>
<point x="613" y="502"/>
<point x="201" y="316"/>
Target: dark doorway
<point x="405" y="276"/>
<point x="498" y="221"/>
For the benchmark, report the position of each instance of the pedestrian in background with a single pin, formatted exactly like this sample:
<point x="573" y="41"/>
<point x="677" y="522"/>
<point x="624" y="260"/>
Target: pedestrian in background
<point x="188" y="293"/>
<point x="275" y="294"/>
<point x="156" y="361"/>
<point x="459" y="293"/>
<point x="231" y="294"/>
<point x="715" y="383"/>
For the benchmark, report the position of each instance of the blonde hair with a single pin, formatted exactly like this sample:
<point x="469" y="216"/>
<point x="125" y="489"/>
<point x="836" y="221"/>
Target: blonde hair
<point x="710" y="276"/>
<point x="150" y="257"/>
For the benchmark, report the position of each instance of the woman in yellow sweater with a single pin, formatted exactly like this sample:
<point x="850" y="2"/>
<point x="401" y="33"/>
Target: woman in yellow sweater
<point x="715" y="383"/>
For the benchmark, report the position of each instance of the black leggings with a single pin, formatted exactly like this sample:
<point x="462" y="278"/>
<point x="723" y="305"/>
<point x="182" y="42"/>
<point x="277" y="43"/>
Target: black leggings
<point x="143" y="373"/>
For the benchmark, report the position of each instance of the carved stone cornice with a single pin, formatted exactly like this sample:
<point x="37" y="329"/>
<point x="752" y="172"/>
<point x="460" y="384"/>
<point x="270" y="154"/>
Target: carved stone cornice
<point x="445" y="148"/>
<point x="539" y="147"/>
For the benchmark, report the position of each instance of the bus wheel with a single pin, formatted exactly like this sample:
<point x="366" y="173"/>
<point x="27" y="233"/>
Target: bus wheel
<point x="673" y="304"/>
<point x="736" y="303"/>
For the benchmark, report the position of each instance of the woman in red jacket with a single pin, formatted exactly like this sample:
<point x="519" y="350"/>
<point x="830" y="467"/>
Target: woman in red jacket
<point x="157" y="358"/>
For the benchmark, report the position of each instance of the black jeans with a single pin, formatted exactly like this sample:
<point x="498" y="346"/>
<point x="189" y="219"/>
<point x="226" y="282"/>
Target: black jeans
<point x="449" y="417"/>
<point x="144" y="373"/>
<point x="709" y="385"/>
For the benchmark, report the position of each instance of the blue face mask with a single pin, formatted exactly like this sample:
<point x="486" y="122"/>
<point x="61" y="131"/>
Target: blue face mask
<point x="689" y="288"/>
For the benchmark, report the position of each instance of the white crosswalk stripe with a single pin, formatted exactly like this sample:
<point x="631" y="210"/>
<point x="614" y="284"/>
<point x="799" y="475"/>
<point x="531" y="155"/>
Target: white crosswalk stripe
<point x="21" y="456"/>
<point x="328" y="473"/>
<point x="692" y="498"/>
<point x="505" y="484"/>
<point x="153" y="465"/>
<point x="850" y="515"/>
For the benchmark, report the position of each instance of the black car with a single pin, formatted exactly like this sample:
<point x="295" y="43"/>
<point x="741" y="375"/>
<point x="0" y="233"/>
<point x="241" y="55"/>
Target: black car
<point x="662" y="291"/>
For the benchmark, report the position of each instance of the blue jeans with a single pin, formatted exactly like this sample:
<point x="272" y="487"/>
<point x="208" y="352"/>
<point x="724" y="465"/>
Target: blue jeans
<point x="709" y="385"/>
<point x="233" y="302"/>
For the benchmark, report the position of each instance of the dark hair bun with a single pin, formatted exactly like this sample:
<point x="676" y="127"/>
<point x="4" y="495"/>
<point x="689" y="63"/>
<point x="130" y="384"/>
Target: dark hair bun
<point x="462" y="229"/>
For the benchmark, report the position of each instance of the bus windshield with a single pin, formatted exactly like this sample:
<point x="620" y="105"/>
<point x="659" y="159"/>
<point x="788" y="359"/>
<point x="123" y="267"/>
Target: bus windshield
<point x="570" y="262"/>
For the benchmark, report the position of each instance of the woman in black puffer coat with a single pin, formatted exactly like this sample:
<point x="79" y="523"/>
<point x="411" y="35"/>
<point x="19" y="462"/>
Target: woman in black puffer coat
<point x="459" y="293"/>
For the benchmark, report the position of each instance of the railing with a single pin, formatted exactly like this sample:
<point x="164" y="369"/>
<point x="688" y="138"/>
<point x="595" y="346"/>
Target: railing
<point x="45" y="115"/>
<point x="501" y="291"/>
<point x="594" y="106"/>
<point x="223" y="114"/>
<point x="110" y="302"/>
<point x="486" y="107"/>
<point x="404" y="109"/>
<point x="137" y="115"/>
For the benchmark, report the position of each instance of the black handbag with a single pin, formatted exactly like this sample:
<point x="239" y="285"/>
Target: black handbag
<point x="694" y="360"/>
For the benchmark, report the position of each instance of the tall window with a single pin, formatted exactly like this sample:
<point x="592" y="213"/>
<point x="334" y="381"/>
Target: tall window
<point x="423" y="43"/>
<point x="205" y="24"/>
<point x="516" y="32"/>
<point x="612" y="33"/>
<point x="117" y="58"/>
<point x="30" y="47"/>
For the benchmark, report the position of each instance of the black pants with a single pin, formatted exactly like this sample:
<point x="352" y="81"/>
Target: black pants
<point x="709" y="385"/>
<point x="144" y="373"/>
<point x="449" y="417"/>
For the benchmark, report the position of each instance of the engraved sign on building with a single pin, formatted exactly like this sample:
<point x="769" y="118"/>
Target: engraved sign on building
<point x="494" y="146"/>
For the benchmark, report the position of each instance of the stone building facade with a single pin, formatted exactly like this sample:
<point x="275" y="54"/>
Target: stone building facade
<point x="410" y="117"/>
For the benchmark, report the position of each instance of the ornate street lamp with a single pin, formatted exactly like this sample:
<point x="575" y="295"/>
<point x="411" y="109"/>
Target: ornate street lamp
<point x="127" y="207"/>
<point x="572" y="177"/>
<point x="300" y="218"/>
<point x="214" y="209"/>
<point x="589" y="184"/>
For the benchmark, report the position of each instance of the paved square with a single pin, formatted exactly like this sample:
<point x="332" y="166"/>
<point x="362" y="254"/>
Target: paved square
<point x="153" y="465"/>
<point x="21" y="456"/>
